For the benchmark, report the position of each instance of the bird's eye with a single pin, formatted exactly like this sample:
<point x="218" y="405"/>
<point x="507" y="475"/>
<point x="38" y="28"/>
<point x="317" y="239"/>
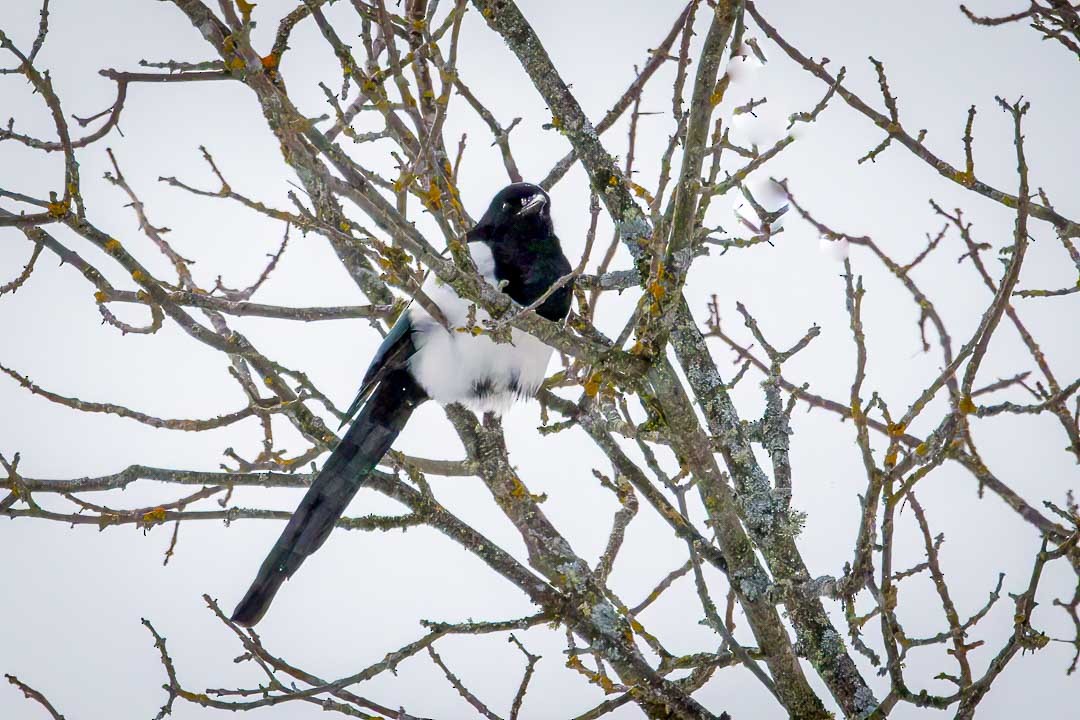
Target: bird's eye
<point x="506" y="206"/>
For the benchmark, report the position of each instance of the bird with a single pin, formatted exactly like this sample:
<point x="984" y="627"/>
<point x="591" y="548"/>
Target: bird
<point x="514" y="247"/>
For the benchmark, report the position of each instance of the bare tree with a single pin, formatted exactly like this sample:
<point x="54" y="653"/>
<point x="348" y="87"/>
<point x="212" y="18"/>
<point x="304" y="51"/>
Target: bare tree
<point x="655" y="385"/>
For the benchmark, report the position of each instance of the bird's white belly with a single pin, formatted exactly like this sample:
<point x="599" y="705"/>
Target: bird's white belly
<point x="473" y="370"/>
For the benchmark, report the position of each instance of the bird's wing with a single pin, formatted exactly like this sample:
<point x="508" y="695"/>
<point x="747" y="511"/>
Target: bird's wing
<point x="394" y="353"/>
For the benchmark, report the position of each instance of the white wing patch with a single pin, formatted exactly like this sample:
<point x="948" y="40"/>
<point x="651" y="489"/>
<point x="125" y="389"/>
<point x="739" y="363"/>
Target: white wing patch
<point x="460" y="367"/>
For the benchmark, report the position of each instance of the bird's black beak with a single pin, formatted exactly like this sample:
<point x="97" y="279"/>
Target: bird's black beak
<point x="533" y="205"/>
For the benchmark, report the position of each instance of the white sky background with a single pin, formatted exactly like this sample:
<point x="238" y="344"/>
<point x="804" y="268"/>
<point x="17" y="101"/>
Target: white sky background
<point x="72" y="598"/>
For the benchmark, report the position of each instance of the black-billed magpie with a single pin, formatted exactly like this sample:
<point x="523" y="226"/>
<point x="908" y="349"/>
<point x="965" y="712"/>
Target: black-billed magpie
<point x="515" y="248"/>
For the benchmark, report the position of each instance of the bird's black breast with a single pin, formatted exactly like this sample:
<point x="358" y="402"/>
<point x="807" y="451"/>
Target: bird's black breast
<point x="529" y="268"/>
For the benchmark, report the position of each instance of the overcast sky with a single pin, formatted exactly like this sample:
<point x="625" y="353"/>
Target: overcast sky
<point x="71" y="599"/>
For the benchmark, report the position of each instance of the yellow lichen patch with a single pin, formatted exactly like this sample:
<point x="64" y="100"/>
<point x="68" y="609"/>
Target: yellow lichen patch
<point x="138" y="275"/>
<point x="432" y="198"/>
<point x="891" y="596"/>
<point x="157" y="515"/>
<point x="890" y="458"/>
<point x="396" y="257"/>
<point x="613" y="181"/>
<point x="556" y="123"/>
<point x="717" y="96"/>
<point x="271" y="61"/>
<point x="518" y="489"/>
<point x="922" y="448"/>
<point x="345" y="227"/>
<point x="245" y="9"/>
<point x="1037" y="640"/>
<point x="112" y="245"/>
<point x="897" y="429"/>
<point x="642" y="192"/>
<point x="964" y="178"/>
<point x="106" y="519"/>
<point x="657" y="290"/>
<point x="967" y="405"/>
<point x="100" y="296"/>
<point x="59" y="208"/>
<point x="592" y="385"/>
<point x="268" y="381"/>
<point x="236" y="64"/>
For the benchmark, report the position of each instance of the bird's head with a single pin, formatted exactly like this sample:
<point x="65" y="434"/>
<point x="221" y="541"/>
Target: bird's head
<point x="521" y="210"/>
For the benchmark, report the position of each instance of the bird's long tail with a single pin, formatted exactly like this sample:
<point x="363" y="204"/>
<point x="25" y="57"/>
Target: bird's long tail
<point x="367" y="440"/>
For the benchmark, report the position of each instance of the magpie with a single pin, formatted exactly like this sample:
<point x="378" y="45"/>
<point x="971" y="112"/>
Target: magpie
<point x="515" y="249"/>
